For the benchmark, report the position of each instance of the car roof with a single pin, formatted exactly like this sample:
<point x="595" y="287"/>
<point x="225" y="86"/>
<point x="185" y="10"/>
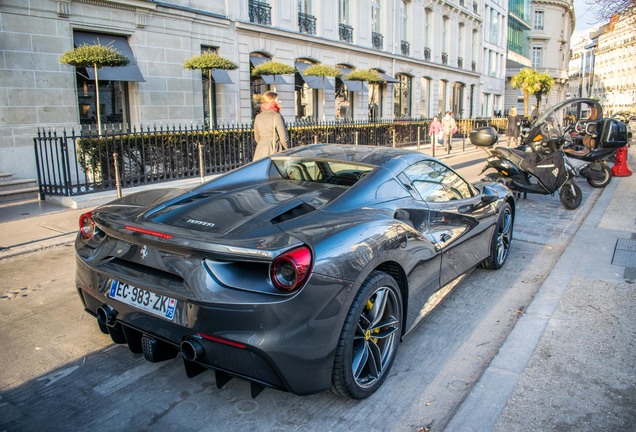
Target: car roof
<point x="394" y="159"/>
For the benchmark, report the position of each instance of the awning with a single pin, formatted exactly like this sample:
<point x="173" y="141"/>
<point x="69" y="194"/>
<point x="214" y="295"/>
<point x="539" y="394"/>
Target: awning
<point x="314" y="82"/>
<point x="220" y="76"/>
<point x="352" y="85"/>
<point x="274" y="79"/>
<point x="130" y="72"/>
<point x="387" y="78"/>
<point x="256" y="61"/>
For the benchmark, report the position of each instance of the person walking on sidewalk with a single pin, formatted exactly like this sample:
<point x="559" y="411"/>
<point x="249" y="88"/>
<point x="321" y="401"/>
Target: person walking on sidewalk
<point x="435" y="132"/>
<point x="449" y="127"/>
<point x="270" y="131"/>
<point x="512" y="130"/>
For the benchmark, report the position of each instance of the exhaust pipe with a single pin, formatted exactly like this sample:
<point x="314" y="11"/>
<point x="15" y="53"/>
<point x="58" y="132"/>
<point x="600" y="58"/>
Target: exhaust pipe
<point x="191" y="349"/>
<point x="106" y="315"/>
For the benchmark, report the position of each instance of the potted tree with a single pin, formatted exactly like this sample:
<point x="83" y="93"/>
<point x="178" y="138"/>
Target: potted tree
<point x="272" y="68"/>
<point x="323" y="71"/>
<point x="206" y="62"/>
<point x="95" y="56"/>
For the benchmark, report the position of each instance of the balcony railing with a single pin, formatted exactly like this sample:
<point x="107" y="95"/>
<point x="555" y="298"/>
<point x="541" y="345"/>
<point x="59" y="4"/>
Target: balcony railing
<point x="260" y="12"/>
<point x="473" y="66"/>
<point x="475" y="8"/>
<point x="406" y="48"/>
<point x="427" y="54"/>
<point x="306" y="23"/>
<point x="346" y="32"/>
<point x="444" y="58"/>
<point x="460" y="62"/>
<point x="377" y="40"/>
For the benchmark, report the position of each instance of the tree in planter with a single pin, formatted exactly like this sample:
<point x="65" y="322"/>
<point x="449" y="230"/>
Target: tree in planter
<point x="207" y="61"/>
<point x="323" y="71"/>
<point x="95" y="56"/>
<point x="272" y="68"/>
<point x="371" y="76"/>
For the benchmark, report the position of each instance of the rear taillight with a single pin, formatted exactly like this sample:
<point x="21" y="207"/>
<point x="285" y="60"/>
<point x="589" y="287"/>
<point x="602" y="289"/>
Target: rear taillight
<point x="86" y="226"/>
<point x="290" y="270"/>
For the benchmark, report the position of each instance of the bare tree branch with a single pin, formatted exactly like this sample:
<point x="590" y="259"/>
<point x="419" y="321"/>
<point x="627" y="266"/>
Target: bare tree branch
<point x="605" y="9"/>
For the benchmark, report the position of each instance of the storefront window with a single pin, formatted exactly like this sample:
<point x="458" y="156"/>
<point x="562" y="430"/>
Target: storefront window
<point x="113" y="84"/>
<point x="258" y="86"/>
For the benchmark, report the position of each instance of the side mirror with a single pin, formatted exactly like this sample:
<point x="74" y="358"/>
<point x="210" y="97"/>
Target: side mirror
<point x="488" y="195"/>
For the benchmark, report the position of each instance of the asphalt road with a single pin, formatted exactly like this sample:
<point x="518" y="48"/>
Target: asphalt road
<point x="59" y="372"/>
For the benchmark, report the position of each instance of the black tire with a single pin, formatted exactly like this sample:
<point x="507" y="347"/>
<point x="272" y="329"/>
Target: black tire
<point x="362" y="359"/>
<point x="607" y="177"/>
<point x="571" y="196"/>
<point x="501" y="240"/>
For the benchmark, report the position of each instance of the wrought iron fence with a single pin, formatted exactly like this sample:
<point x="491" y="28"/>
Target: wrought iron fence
<point x="73" y="163"/>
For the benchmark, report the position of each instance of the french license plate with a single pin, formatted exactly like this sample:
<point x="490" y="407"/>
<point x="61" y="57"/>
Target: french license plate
<point x="149" y="301"/>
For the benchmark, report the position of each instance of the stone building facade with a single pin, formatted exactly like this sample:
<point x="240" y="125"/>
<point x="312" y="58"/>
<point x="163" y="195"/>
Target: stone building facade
<point x="552" y="23"/>
<point x="614" y="80"/>
<point x="434" y="56"/>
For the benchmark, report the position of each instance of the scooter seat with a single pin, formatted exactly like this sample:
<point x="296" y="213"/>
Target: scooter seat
<point x="580" y="153"/>
<point x="513" y="155"/>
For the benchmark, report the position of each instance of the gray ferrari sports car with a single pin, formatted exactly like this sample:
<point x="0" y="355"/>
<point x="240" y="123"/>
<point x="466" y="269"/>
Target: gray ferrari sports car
<point x="300" y="272"/>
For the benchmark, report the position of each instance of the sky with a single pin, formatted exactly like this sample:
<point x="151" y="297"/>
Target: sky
<point x="585" y="16"/>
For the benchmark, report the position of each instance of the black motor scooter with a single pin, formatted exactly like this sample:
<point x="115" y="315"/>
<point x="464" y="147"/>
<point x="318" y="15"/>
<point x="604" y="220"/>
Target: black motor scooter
<point x="527" y="172"/>
<point x="589" y="141"/>
<point x="546" y="168"/>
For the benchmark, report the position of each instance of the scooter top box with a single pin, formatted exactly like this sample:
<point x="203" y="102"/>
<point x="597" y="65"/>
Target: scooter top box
<point x="613" y="133"/>
<point x="484" y="136"/>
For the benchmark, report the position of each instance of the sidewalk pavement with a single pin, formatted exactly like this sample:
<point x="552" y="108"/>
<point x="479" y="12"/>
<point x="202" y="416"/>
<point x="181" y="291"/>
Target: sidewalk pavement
<point x="567" y="365"/>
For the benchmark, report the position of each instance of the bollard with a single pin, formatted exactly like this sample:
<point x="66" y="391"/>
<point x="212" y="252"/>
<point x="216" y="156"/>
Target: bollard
<point x="201" y="168"/>
<point x="620" y="168"/>
<point x="117" y="181"/>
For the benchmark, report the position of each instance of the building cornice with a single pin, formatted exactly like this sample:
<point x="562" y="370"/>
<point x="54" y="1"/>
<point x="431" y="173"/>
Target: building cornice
<point x="132" y="5"/>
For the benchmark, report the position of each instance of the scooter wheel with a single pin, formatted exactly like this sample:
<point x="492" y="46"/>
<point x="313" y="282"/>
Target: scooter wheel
<point x="571" y="196"/>
<point x="607" y="177"/>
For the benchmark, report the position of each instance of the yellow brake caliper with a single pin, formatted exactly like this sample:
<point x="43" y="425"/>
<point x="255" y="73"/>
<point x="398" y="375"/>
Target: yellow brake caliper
<point x="367" y="334"/>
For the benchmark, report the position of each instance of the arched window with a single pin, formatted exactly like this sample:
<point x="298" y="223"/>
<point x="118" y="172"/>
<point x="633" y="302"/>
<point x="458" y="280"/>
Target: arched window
<point x="458" y="99"/>
<point x="425" y="98"/>
<point x="345" y="93"/>
<point x="306" y="91"/>
<point x="441" y="97"/>
<point x="258" y="85"/>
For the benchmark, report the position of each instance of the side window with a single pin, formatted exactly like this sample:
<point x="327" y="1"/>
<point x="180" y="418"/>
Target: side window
<point x="438" y="183"/>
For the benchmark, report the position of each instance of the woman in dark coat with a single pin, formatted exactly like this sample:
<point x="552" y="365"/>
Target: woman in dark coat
<point x="512" y="131"/>
<point x="270" y="131"/>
